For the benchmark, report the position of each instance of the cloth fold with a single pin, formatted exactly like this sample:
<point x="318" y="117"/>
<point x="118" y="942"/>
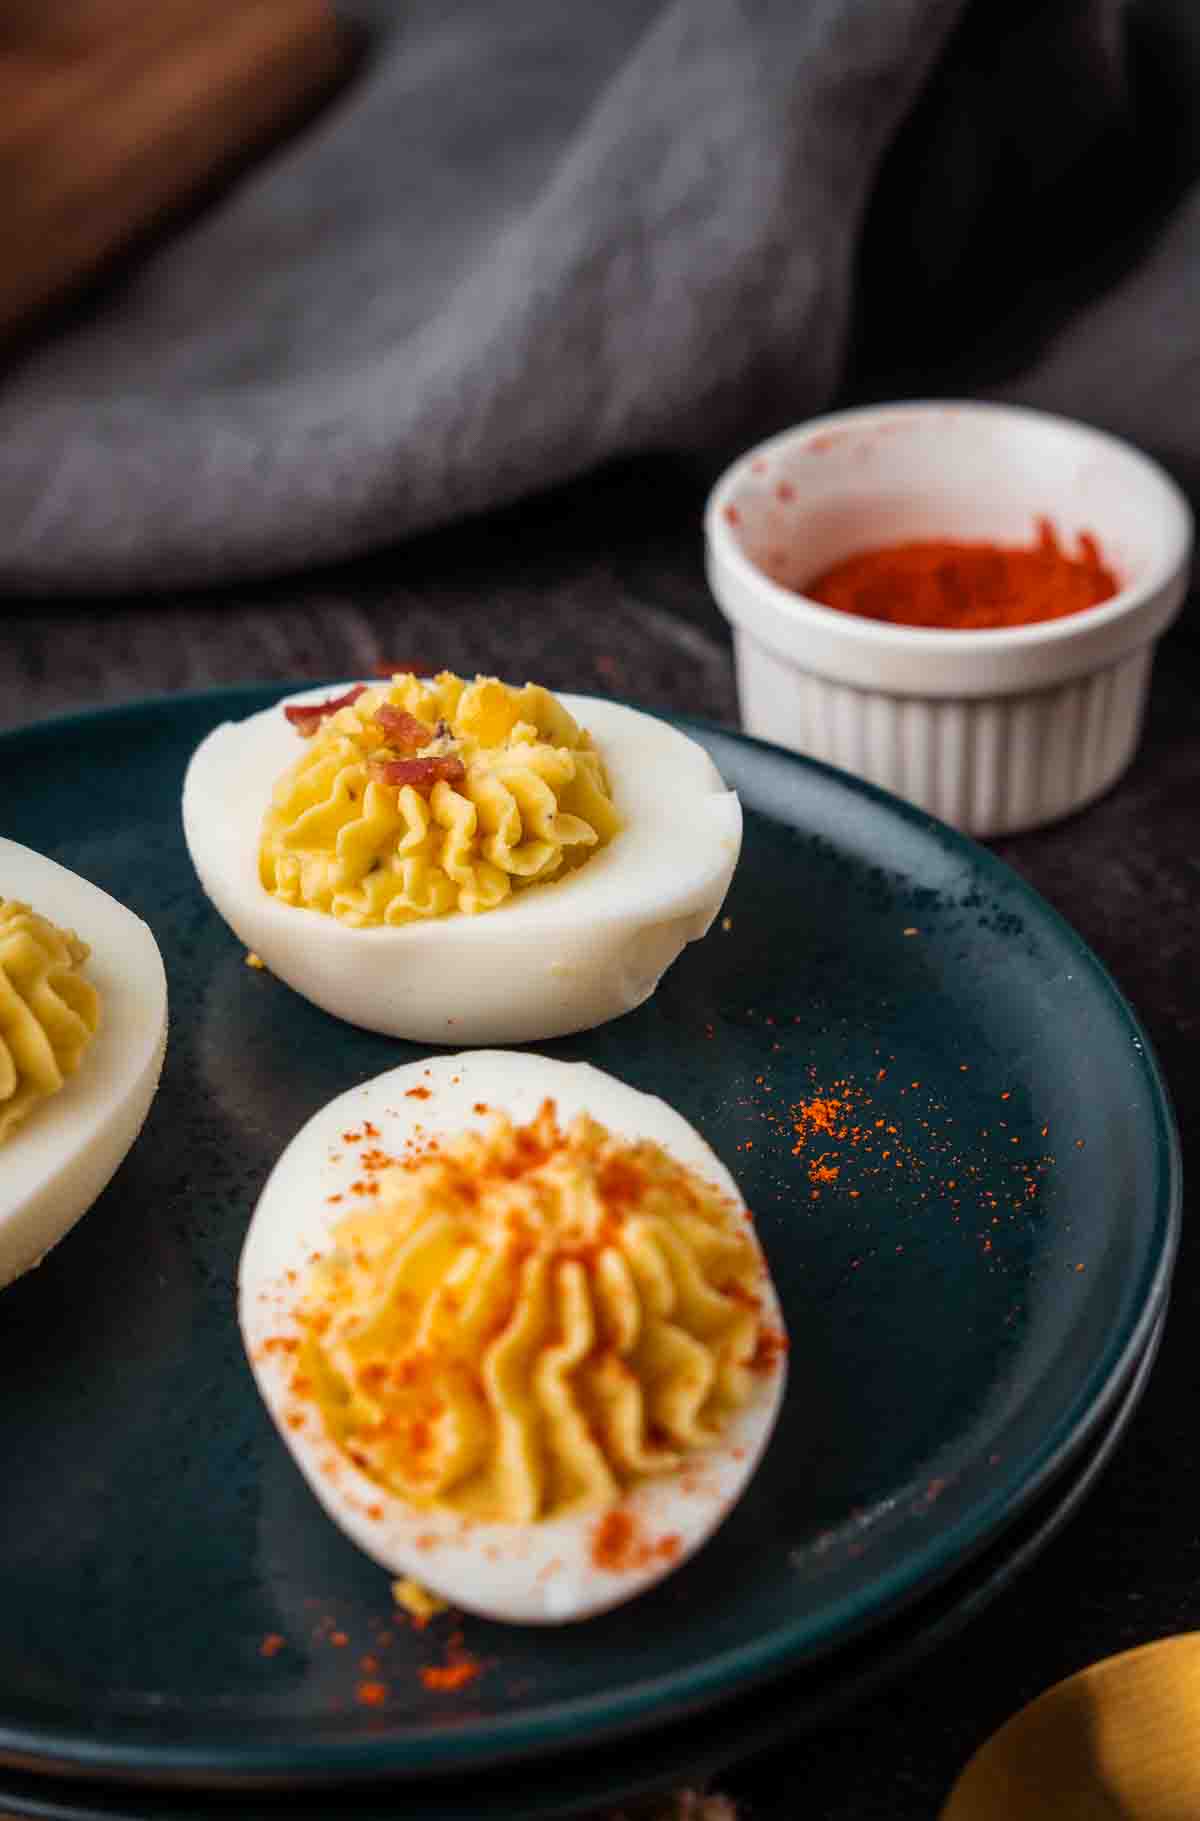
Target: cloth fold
<point x="522" y="243"/>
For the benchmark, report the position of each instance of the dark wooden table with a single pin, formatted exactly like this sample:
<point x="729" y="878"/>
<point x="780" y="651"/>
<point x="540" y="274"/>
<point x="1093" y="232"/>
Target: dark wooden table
<point x="601" y="587"/>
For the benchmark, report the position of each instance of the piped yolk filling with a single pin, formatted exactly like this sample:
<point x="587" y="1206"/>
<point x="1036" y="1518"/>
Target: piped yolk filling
<point x="49" y="1012"/>
<point x="530" y="1319"/>
<point x="421" y="797"/>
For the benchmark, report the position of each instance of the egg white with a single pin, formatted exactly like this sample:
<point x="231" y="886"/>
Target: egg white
<point x="552" y="959"/>
<point x="541" y="1573"/>
<point x="55" y="1163"/>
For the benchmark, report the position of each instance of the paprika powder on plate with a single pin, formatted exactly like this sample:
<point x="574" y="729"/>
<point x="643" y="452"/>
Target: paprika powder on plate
<point x="968" y="587"/>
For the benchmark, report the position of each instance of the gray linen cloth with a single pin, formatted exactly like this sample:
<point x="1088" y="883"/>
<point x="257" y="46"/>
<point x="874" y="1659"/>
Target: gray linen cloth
<point x="528" y="239"/>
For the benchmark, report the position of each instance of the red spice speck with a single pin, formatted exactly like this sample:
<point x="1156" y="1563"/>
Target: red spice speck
<point x="417" y="1093"/>
<point x="481" y="1106"/>
<point x="372" y="1694"/>
<point x="376" y="1159"/>
<point x="732" y="516"/>
<point x="271" y="1644"/>
<point x="618" y="1546"/>
<point x="613" y="1541"/>
<point x="339" y="1639"/>
<point x="449" y="1676"/>
<point x="769" y="1349"/>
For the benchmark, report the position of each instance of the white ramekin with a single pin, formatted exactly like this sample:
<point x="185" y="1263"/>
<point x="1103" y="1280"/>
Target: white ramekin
<point x="992" y="731"/>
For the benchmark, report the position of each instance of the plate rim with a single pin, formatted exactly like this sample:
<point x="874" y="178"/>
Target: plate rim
<point x="511" y="1739"/>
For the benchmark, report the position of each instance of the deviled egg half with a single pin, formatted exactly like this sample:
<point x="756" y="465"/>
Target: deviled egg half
<point x="83" y="1026"/>
<point x="511" y="1317"/>
<point x="461" y="862"/>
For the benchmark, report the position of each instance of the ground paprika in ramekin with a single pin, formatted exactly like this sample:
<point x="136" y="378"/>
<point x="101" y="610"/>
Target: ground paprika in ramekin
<point x="970" y="587"/>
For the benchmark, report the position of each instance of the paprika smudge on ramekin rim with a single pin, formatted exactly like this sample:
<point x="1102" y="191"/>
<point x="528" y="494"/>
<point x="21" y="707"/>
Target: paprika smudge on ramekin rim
<point x="964" y="585"/>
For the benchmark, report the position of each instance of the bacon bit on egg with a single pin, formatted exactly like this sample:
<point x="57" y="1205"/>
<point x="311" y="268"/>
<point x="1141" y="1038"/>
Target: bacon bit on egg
<point x="422" y="774"/>
<point x="404" y="731"/>
<point x="306" y="717"/>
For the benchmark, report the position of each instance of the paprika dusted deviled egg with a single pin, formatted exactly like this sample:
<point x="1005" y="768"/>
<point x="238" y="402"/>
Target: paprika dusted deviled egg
<point x="83" y="1020"/>
<point x="455" y="861"/>
<point x="512" y="1319"/>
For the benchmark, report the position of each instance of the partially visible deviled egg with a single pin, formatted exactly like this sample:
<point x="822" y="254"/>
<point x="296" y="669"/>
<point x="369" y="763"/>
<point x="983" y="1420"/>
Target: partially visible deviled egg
<point x="512" y="1319"/>
<point x="83" y="1024"/>
<point x="499" y="866"/>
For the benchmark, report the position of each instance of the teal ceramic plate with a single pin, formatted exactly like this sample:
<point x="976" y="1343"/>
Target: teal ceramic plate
<point x="965" y="1175"/>
<point x="572" y="1785"/>
<point x="569" y="1786"/>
